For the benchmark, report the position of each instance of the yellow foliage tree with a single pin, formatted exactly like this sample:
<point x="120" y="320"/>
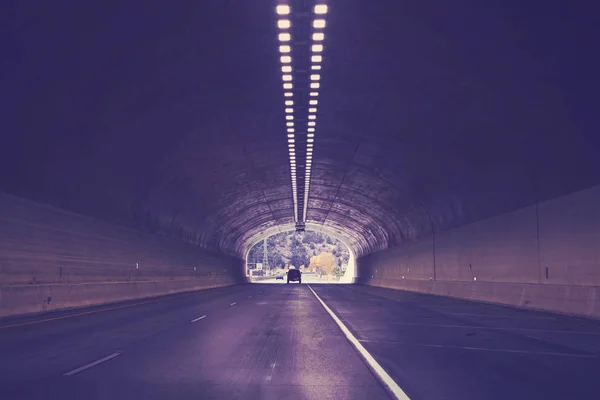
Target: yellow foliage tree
<point x="324" y="261"/>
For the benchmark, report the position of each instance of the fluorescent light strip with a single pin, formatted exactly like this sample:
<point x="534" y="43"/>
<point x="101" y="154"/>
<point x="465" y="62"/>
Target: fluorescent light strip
<point x="285" y="48"/>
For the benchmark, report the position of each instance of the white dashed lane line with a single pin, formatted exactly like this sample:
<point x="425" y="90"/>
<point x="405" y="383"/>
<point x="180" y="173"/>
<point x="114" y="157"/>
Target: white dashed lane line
<point x="92" y="364"/>
<point x="233" y="304"/>
<point x="198" y="319"/>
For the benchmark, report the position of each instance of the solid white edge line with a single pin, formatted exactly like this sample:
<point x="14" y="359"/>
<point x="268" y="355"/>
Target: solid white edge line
<point x="92" y="364"/>
<point x="385" y="378"/>
<point x="198" y="319"/>
<point x="233" y="304"/>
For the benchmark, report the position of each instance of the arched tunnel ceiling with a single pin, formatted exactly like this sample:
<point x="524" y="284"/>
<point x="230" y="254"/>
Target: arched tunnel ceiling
<point x="168" y="116"/>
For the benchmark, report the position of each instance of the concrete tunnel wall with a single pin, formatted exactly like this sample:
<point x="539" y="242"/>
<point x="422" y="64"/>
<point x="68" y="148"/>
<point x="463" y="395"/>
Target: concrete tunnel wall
<point x="504" y="259"/>
<point x="73" y="260"/>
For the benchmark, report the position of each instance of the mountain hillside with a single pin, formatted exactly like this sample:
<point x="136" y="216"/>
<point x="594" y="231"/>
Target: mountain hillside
<point x="312" y="250"/>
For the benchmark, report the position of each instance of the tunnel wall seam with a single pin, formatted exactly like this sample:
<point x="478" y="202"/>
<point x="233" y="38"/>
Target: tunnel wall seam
<point x="546" y="256"/>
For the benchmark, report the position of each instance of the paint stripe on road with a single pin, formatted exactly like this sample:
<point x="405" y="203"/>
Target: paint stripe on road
<point x="198" y="319"/>
<point x="385" y="378"/>
<point x="92" y="364"/>
<point x="233" y="304"/>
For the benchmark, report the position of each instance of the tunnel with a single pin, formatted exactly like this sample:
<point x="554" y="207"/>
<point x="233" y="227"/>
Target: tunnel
<point x="454" y="147"/>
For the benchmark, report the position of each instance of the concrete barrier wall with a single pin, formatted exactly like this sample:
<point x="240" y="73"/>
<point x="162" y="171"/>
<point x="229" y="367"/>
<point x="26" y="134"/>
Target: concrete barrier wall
<point x="546" y="256"/>
<point x="567" y="299"/>
<point x="52" y="259"/>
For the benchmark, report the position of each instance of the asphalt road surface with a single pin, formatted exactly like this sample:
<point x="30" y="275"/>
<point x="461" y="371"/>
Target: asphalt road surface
<point x="266" y="341"/>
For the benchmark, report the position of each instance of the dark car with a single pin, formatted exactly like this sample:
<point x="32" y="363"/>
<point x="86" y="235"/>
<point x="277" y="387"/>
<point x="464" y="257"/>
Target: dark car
<point x="294" y="275"/>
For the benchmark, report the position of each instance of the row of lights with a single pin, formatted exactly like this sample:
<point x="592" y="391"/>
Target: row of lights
<point x="318" y="36"/>
<point x="285" y="38"/>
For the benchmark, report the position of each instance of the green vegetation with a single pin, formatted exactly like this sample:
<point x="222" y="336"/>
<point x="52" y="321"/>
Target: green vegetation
<point x="312" y="251"/>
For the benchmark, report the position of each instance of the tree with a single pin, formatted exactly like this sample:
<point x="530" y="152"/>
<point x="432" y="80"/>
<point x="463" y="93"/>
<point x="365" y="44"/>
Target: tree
<point x="299" y="254"/>
<point x="325" y="262"/>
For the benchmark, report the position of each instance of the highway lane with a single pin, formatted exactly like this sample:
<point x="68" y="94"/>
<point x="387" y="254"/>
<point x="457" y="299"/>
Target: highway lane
<point x="254" y="342"/>
<point x="276" y="341"/>
<point x="441" y="348"/>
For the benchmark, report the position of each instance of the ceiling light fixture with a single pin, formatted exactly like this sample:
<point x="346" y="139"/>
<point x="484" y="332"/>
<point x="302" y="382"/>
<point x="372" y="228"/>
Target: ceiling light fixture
<point x="284" y="9"/>
<point x="321" y="9"/>
<point x="318" y="23"/>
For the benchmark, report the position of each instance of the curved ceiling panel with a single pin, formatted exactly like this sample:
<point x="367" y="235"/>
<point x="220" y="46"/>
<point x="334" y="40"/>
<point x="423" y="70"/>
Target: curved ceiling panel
<point x="169" y="117"/>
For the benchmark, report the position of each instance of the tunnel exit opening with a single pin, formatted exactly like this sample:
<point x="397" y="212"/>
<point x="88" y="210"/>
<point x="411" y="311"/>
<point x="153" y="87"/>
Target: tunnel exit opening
<point x="320" y="258"/>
